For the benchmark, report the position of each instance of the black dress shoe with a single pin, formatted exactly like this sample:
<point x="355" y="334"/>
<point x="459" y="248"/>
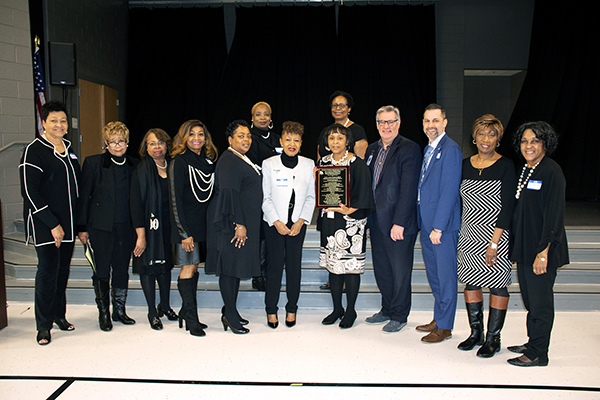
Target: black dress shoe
<point x="155" y="323"/>
<point x="169" y="313"/>
<point x="348" y="320"/>
<point x="242" y="320"/>
<point x="273" y="324"/>
<point x="533" y="363"/>
<point x="332" y="318"/>
<point x="64" y="325"/>
<point x="226" y="324"/>
<point x="325" y="286"/>
<point x="43" y="338"/>
<point x="517" y="349"/>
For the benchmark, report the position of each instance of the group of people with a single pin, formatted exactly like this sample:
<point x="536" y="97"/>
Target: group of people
<point x="244" y="214"/>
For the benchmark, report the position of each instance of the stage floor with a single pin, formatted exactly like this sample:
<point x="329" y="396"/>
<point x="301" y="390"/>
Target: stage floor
<point x="307" y="361"/>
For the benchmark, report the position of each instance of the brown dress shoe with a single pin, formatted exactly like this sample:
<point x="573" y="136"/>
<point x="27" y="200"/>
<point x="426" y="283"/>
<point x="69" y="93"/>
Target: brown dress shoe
<point x="430" y="327"/>
<point x="438" y="335"/>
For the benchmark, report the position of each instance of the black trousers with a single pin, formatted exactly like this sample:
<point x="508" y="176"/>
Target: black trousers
<point x="392" y="265"/>
<point x="51" y="283"/>
<point x="283" y="250"/>
<point x="538" y="298"/>
<point x="112" y="251"/>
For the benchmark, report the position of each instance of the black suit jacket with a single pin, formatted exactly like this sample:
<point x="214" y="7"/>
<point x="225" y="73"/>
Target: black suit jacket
<point x="396" y="191"/>
<point x="96" y="207"/>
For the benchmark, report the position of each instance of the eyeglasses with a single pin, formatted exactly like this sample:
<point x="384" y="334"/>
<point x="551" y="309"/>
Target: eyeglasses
<point x="383" y="123"/>
<point x="341" y="106"/>
<point x="121" y="142"/>
<point x="156" y="144"/>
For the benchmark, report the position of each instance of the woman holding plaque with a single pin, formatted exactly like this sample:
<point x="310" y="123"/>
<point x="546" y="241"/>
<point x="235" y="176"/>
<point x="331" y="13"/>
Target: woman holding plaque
<point x="288" y="205"/>
<point x="343" y="227"/>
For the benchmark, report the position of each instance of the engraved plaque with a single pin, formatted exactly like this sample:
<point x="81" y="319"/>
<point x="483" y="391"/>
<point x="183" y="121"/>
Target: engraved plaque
<point x="333" y="186"/>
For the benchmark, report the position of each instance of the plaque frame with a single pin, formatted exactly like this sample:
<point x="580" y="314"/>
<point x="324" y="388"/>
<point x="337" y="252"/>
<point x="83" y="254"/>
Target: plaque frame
<point x="319" y="185"/>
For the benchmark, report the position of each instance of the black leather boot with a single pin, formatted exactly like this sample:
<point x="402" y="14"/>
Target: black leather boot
<point x="475" y="314"/>
<point x="195" y="289"/>
<point x="189" y="312"/>
<point x="492" y="338"/>
<point x="102" y="300"/>
<point x="119" y="297"/>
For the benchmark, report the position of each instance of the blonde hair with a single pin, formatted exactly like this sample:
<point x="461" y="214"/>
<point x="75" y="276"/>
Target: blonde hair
<point x="114" y="128"/>
<point x="261" y="103"/>
<point x="180" y="143"/>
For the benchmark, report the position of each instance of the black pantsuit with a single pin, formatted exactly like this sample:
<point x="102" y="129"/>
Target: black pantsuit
<point x="283" y="250"/>
<point x="538" y="299"/>
<point x="51" y="283"/>
<point x="394" y="260"/>
<point x="113" y="249"/>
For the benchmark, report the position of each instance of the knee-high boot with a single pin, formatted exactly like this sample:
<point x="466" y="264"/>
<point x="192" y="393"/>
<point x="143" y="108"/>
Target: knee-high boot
<point x="119" y="297"/>
<point x="188" y="311"/>
<point x="195" y="289"/>
<point x="498" y="306"/>
<point x="474" y="302"/>
<point x="103" y="300"/>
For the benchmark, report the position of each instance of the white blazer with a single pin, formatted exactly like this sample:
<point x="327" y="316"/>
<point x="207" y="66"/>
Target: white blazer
<point x="278" y="182"/>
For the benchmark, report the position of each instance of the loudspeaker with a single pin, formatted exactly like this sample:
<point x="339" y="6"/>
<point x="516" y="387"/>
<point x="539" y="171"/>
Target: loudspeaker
<point x="62" y="63"/>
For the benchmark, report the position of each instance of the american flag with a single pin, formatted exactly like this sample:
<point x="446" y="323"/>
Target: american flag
<point x="40" y="89"/>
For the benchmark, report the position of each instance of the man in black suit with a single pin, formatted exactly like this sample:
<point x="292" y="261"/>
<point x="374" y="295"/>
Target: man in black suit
<point x="395" y="163"/>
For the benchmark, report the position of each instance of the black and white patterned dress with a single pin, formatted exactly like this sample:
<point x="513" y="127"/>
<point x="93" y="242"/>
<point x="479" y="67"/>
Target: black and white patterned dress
<point x="343" y="240"/>
<point x="488" y="199"/>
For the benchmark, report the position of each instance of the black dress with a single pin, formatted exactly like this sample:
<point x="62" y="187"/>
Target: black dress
<point x="191" y="185"/>
<point x="358" y="133"/>
<point x="238" y="199"/>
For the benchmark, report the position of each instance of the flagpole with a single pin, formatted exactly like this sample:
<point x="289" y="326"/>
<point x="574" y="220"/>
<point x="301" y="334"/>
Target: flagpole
<point x="39" y="84"/>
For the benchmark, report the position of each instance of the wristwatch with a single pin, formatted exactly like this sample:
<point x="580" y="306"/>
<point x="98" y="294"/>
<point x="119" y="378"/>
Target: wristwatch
<point x="493" y="245"/>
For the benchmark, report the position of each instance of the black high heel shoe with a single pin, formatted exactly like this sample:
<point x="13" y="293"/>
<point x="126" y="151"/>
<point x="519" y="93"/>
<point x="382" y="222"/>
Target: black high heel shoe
<point x="226" y="324"/>
<point x="332" y="318"/>
<point x="170" y="314"/>
<point x="155" y="323"/>
<point x="348" y="320"/>
<point x="275" y="324"/>
<point x="242" y="320"/>
<point x="192" y="325"/>
<point x="64" y="325"/>
<point x="289" y="324"/>
<point x="43" y="338"/>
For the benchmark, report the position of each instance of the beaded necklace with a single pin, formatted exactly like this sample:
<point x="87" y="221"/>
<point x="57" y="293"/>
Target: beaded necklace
<point x="522" y="183"/>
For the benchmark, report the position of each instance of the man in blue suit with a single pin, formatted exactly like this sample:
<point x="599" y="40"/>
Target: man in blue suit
<point x="438" y="208"/>
<point x="394" y="162"/>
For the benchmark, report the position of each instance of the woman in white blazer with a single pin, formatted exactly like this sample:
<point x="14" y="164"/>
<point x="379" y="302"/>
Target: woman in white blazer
<point x="288" y="205"/>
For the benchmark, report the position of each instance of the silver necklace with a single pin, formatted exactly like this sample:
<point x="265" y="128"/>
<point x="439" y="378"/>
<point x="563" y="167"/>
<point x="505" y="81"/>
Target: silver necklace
<point x="118" y="163"/>
<point x="522" y="183"/>
<point x="341" y="161"/>
<point x="246" y="159"/>
<point x="160" y="166"/>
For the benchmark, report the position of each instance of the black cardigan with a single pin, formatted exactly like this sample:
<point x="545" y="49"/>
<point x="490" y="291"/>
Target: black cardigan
<point x="49" y="186"/>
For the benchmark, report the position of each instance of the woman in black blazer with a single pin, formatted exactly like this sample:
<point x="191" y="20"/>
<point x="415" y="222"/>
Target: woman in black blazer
<point x="191" y="182"/>
<point x="49" y="178"/>
<point x="104" y="220"/>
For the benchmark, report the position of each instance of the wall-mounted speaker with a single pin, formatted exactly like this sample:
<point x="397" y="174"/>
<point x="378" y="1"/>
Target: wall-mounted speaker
<point x="62" y="64"/>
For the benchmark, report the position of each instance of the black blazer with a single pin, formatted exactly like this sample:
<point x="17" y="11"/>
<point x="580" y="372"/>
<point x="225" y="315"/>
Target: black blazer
<point x="396" y="191"/>
<point x="97" y="203"/>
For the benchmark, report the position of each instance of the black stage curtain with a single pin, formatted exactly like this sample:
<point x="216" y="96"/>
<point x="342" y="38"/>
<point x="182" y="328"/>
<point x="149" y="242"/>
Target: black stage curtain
<point x="176" y="57"/>
<point x="562" y="87"/>
<point x="294" y="58"/>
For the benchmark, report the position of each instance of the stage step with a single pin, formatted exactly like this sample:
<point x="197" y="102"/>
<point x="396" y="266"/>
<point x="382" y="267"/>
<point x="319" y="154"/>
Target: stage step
<point x="577" y="286"/>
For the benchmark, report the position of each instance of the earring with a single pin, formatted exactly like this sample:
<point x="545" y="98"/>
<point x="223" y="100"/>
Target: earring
<point x="252" y="125"/>
<point x="498" y="144"/>
<point x="474" y="142"/>
<point x="270" y="125"/>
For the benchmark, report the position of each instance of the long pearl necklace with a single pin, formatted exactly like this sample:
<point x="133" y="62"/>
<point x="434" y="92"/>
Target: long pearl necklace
<point x="208" y="179"/>
<point x="246" y="159"/>
<point x="346" y="123"/>
<point x="341" y="160"/>
<point x="522" y="183"/>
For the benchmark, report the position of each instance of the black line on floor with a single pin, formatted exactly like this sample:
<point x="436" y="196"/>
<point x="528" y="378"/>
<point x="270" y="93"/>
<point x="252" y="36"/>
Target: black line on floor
<point x="61" y="389"/>
<point x="71" y="380"/>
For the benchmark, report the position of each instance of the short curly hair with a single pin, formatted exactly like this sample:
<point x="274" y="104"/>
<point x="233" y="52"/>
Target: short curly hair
<point x="114" y="128"/>
<point x="542" y="130"/>
<point x="488" y="122"/>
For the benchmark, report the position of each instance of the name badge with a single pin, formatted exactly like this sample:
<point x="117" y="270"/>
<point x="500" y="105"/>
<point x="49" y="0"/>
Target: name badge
<point x="281" y="182"/>
<point x="279" y="150"/>
<point x="534" y="185"/>
<point x="208" y="161"/>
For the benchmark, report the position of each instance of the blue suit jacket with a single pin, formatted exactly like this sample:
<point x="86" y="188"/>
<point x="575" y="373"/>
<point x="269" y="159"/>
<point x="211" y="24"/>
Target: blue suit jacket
<point x="396" y="191"/>
<point x="440" y="198"/>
